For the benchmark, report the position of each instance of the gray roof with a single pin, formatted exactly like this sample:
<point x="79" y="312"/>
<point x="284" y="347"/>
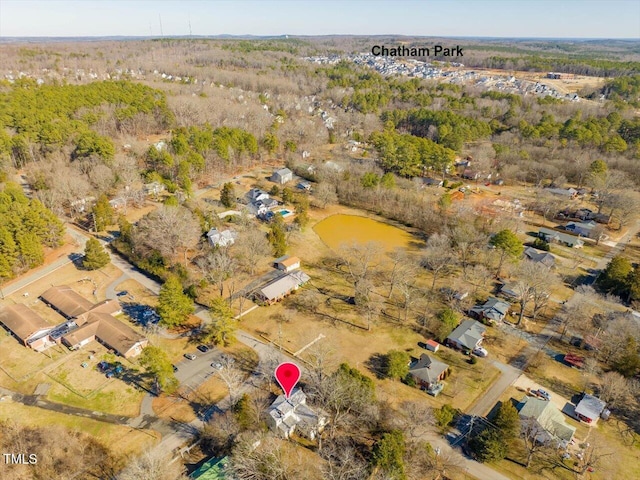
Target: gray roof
<point x="285" y="284"/>
<point x="468" y="333"/>
<point x="548" y="416"/>
<point x="427" y="368"/>
<point x="493" y="309"/>
<point x="544" y="258"/>
<point x="561" y="237"/>
<point x="590" y="406"/>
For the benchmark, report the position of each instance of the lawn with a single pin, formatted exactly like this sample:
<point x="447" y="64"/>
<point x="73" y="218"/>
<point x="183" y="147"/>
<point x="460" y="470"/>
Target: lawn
<point x="89" y="388"/>
<point x="120" y="439"/>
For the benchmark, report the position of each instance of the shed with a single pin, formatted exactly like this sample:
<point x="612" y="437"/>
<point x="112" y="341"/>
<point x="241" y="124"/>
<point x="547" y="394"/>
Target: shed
<point x="287" y="263"/>
<point x="432" y="345"/>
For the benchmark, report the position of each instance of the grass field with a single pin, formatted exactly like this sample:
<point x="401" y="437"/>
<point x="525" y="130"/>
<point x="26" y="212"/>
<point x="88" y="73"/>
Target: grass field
<point x="120" y="439"/>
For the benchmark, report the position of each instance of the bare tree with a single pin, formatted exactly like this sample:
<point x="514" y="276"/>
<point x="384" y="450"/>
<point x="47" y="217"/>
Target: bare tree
<point x="166" y="230"/>
<point x="343" y="461"/>
<point x="534" y="436"/>
<point x="216" y="266"/>
<point x="232" y="377"/>
<point x="265" y="458"/>
<point x="437" y="256"/>
<point x="325" y="194"/>
<point x="466" y="239"/>
<point x="361" y="262"/>
<point x="252" y="246"/>
<point x="614" y="389"/>
<point x="152" y="465"/>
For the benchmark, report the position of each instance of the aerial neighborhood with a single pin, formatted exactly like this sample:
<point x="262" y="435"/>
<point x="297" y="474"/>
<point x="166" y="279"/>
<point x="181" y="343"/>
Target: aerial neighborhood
<point x="447" y="250"/>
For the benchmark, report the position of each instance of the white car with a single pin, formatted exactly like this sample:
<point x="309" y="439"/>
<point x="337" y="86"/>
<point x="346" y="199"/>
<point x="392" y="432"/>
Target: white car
<point x="480" y="352"/>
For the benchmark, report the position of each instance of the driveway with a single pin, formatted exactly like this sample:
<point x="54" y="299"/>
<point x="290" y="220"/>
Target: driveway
<point x="484" y="404"/>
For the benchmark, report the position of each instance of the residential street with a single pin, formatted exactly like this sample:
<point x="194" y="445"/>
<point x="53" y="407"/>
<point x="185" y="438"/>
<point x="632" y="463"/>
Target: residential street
<point x="485" y="403"/>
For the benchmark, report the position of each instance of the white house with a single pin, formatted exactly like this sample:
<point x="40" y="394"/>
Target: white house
<point x="256" y="194"/>
<point x="286" y="416"/>
<point x="222" y="238"/>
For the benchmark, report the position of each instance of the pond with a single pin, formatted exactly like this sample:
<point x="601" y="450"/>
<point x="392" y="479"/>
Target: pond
<point x="339" y="229"/>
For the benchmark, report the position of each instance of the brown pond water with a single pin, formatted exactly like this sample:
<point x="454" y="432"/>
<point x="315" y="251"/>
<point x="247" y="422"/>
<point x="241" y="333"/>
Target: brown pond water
<point x="340" y="229"/>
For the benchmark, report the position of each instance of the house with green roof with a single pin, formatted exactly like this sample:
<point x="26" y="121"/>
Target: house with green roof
<point x="212" y="469"/>
<point x="548" y="418"/>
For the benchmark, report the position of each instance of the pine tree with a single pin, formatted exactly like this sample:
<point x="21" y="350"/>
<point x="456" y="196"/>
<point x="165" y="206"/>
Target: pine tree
<point x="95" y="256"/>
<point x="174" y="307"/>
<point x="31" y="251"/>
<point x="221" y="330"/>
<point x="277" y="236"/>
<point x="156" y="361"/>
<point x="102" y="213"/>
<point x="228" y="195"/>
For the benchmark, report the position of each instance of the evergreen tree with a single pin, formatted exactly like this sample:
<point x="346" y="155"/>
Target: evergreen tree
<point x="31" y="251"/>
<point x="157" y="363"/>
<point x="228" y="196"/>
<point x="508" y="421"/>
<point x="628" y="362"/>
<point x="221" y="330"/>
<point x="277" y="236"/>
<point x="388" y="454"/>
<point x="448" y="321"/>
<point x="397" y="364"/>
<point x="102" y="213"/>
<point x="614" y="278"/>
<point x="174" y="307"/>
<point x="95" y="256"/>
<point x="508" y="245"/>
<point x="489" y="445"/>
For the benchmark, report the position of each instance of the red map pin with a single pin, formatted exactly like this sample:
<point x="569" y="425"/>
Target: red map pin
<point x="287" y="375"/>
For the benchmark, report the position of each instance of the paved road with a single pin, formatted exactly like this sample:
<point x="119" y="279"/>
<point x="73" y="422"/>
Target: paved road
<point x="485" y="403"/>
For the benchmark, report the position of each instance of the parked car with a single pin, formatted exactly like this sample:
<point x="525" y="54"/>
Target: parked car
<point x="217" y="366"/>
<point x="189" y="356"/>
<point x="110" y="374"/>
<point x="542" y="394"/>
<point x="122" y="293"/>
<point x="203" y="348"/>
<point x="480" y="352"/>
<point x="102" y="366"/>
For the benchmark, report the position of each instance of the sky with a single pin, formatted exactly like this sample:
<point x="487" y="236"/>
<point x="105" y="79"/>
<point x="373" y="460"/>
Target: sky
<point x="462" y="18"/>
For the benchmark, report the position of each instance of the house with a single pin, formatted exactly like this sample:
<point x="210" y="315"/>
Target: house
<point x="286" y="416"/>
<point x="564" y="192"/>
<point x="432" y="182"/>
<point x="304" y="185"/>
<point x="427" y="371"/>
<point x="590" y="408"/>
<point x="549" y="235"/>
<point x="287" y="263"/>
<point x="212" y="469"/>
<point x="432" y="345"/>
<point x="222" y="238"/>
<point x="109" y="331"/>
<point x="585" y="214"/>
<point x="27" y="326"/>
<point x="153" y="188"/>
<point x="493" y="309"/>
<point x="256" y="194"/>
<point x="545" y="258"/>
<point x="282" y="176"/>
<point x="509" y="290"/>
<point x="584" y="229"/>
<point x="471" y="174"/>
<point x="279" y="288"/>
<point x="467" y="336"/>
<point x="89" y="322"/>
<point x="66" y="301"/>
<point x="550" y="421"/>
